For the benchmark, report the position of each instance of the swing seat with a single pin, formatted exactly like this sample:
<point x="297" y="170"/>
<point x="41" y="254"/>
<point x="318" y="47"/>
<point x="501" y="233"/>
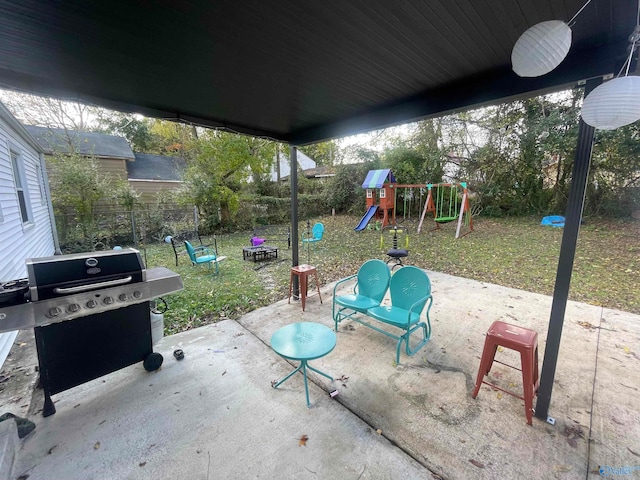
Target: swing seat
<point x="448" y="207"/>
<point x="445" y="219"/>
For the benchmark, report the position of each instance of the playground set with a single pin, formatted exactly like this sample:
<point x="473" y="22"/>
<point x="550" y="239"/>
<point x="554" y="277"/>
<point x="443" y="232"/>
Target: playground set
<point x="447" y="202"/>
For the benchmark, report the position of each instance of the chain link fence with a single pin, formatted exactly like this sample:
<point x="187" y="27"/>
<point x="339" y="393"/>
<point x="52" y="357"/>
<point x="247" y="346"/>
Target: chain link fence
<point x="108" y="227"/>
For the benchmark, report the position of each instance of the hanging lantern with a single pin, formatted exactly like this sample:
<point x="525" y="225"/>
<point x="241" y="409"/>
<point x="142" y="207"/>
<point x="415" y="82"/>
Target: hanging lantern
<point x="613" y="104"/>
<point x="541" y="48"/>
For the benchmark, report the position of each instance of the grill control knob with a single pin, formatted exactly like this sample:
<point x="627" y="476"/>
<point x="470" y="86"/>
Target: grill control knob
<point x="122" y="297"/>
<point x="92" y="304"/>
<point x="137" y="294"/>
<point x="73" y="308"/>
<point x="107" y="300"/>
<point x="54" y="312"/>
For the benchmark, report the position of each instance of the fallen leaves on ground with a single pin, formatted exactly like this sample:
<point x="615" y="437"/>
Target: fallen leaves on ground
<point x="587" y="325"/>
<point x="562" y="468"/>
<point x="303" y="441"/>
<point x="487" y="256"/>
<point x="96" y="446"/>
<point x="476" y="463"/>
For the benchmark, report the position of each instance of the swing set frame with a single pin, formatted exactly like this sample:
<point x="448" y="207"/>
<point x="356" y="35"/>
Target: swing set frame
<point x="396" y="187"/>
<point x="448" y="209"/>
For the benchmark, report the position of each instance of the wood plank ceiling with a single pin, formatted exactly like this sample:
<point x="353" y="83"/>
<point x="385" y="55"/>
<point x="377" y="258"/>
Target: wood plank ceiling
<point x="295" y="71"/>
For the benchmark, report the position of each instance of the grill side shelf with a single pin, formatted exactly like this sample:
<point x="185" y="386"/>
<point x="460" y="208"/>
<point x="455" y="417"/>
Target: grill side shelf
<point x="160" y="281"/>
<point x="17" y="317"/>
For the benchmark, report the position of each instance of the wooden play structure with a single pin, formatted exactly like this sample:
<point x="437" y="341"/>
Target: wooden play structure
<point x="448" y="202"/>
<point x="380" y="198"/>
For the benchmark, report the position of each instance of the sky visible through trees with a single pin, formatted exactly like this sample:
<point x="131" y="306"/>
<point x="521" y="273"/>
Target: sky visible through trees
<point x="517" y="157"/>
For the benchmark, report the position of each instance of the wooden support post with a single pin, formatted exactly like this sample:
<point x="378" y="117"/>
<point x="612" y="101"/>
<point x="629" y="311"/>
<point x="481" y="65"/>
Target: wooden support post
<point x="461" y="216"/>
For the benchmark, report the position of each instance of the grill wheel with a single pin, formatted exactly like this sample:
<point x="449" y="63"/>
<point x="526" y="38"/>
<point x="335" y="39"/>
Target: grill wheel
<point x="153" y="362"/>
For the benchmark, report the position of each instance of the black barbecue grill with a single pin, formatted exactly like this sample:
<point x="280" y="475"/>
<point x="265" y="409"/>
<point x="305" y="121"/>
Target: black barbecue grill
<point x="90" y="314"/>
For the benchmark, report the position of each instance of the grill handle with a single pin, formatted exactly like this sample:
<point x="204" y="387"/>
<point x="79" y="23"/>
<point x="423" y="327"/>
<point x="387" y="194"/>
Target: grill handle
<point x="84" y="288"/>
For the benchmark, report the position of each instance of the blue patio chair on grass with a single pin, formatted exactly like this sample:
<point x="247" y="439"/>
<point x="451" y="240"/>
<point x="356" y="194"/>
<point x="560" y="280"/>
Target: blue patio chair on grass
<point x="202" y="256"/>
<point x="410" y="290"/>
<point x="369" y="290"/>
<point x="314" y="236"/>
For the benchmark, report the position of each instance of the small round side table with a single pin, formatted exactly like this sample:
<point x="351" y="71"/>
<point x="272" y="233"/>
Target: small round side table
<point x="303" y="341"/>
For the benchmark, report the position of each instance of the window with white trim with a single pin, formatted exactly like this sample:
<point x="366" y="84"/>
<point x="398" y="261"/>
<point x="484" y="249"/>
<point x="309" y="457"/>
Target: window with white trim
<point x="369" y="193"/>
<point x="21" y="187"/>
<point x="383" y="193"/>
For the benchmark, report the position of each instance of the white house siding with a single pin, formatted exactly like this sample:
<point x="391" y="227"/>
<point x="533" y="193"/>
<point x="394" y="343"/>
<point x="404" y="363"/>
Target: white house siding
<point x="20" y="241"/>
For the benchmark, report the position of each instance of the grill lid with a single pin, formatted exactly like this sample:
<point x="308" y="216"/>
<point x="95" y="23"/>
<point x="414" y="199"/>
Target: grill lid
<point x="49" y="276"/>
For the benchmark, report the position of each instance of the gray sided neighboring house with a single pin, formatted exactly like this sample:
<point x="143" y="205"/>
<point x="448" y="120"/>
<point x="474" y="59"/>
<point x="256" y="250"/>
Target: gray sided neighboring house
<point x="147" y="174"/>
<point x="151" y="174"/>
<point x="112" y="153"/>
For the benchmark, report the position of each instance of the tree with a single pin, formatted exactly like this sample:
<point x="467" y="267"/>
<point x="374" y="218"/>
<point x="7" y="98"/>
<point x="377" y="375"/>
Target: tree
<point x="614" y="180"/>
<point x="51" y="112"/>
<point x="323" y="153"/>
<point x="172" y="138"/>
<point x="76" y="189"/>
<point x="223" y="163"/>
<point x="344" y="191"/>
<point x="520" y="157"/>
<point x="136" y="129"/>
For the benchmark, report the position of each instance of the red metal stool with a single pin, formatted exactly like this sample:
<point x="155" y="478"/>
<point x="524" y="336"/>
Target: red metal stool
<point x="516" y="338"/>
<point x="303" y="272"/>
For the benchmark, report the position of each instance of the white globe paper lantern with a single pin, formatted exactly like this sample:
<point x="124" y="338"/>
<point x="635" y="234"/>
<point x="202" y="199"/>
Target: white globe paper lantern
<point x="541" y="48"/>
<point x="613" y="104"/>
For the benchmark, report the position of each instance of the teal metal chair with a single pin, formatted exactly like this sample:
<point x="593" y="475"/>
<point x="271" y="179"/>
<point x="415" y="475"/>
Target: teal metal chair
<point x="371" y="286"/>
<point x="202" y="256"/>
<point x="410" y="290"/>
<point x="314" y="236"/>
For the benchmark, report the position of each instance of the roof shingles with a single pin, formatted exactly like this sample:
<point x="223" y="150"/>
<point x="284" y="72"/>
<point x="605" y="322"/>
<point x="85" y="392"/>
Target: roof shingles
<point x="58" y="140"/>
<point x="156" y="167"/>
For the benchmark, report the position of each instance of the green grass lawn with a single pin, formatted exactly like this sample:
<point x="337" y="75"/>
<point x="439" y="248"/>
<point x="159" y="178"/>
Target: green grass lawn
<point x="516" y="253"/>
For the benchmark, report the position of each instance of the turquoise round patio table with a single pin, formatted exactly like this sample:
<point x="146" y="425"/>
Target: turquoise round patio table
<point x="303" y="341"/>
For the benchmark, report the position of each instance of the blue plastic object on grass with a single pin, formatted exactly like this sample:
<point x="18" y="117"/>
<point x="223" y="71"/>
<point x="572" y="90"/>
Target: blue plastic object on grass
<point x="553" y="221"/>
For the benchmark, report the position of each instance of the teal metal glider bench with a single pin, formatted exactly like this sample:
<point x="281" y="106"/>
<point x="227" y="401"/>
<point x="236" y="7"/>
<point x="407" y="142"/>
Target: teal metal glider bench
<point x="410" y="291"/>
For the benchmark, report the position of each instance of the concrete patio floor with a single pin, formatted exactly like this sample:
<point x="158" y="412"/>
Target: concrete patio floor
<point x="214" y="414"/>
